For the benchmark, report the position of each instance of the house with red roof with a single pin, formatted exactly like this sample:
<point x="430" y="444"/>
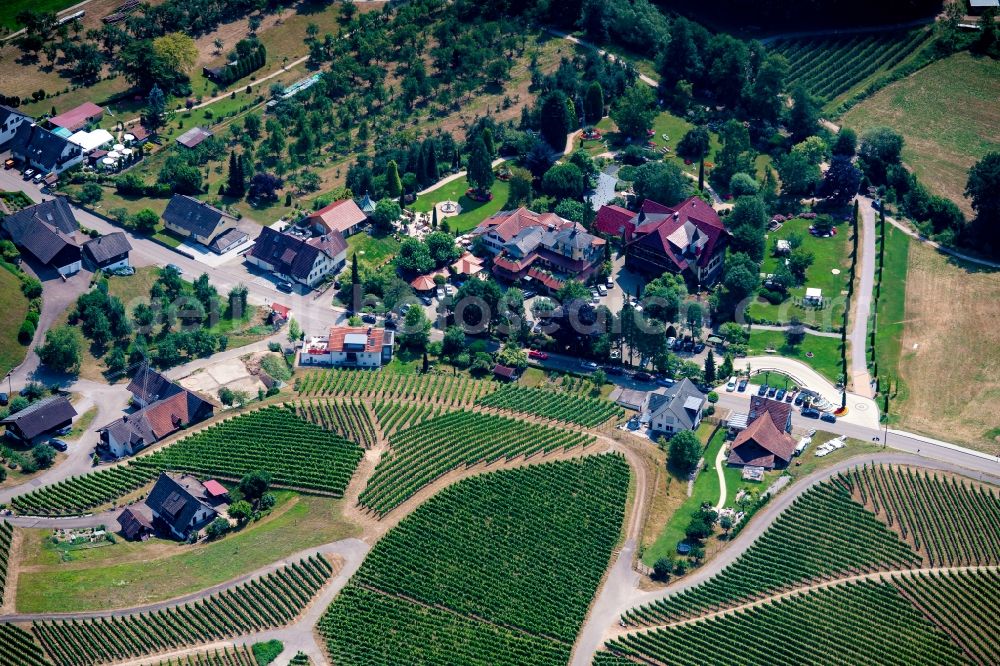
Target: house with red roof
<point x="344" y="216"/>
<point x="351" y="347"/>
<point x="766" y="441"/>
<point x="688" y="239"/>
<point x="79" y="117"/>
<point x="541" y="246"/>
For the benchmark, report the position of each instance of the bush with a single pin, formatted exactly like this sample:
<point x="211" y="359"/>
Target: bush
<point x="274" y="347"/>
<point x="276" y="367"/>
<point x="662" y="569"/>
<point x="26" y="333"/>
<point x="217" y="528"/>
<point x="44" y="455"/>
<point x="713" y="397"/>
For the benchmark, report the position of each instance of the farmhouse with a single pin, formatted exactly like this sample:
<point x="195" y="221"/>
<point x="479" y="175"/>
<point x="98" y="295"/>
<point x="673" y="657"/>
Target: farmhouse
<point x="165" y="407"/>
<point x="39" y="418"/>
<point x="293" y="257"/>
<point x="350" y="346"/>
<point x="688" y="239"/>
<point x="47" y="231"/>
<point x="107" y="252"/>
<point x="680" y="407"/>
<point x="186" y="216"/>
<point x="177" y="504"/>
<point x="78" y="118"/>
<point x="10" y="120"/>
<point x="41" y="149"/>
<point x="765" y="442"/>
<point x="540" y="246"/>
<point x="344" y="216"/>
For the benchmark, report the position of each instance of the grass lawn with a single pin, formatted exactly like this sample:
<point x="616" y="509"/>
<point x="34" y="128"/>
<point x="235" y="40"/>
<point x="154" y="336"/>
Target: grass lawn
<point x="825" y="351"/>
<point x="830" y="254"/>
<point x="891" y="311"/>
<point x="372" y="251"/>
<point x="11" y="8"/>
<point x="950" y="350"/>
<point x="675" y="128"/>
<point x="706" y="489"/>
<point x="128" y="574"/>
<point x="947" y="113"/>
<point x="83" y="423"/>
<point x="473" y="212"/>
<point x="596" y="147"/>
<point x="15" y="307"/>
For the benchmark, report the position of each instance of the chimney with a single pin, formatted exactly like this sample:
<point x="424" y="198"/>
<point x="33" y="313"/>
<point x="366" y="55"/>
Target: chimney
<point x="677" y="214"/>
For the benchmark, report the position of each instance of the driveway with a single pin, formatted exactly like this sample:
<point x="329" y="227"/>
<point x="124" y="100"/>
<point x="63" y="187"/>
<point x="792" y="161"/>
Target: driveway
<point x="861" y="381"/>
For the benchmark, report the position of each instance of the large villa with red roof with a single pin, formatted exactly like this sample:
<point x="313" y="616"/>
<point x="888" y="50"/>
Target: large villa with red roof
<point x="539" y="247"/>
<point x="688" y="239"/>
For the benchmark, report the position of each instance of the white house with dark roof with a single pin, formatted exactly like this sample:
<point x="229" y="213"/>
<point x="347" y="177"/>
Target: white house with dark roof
<point x="44" y="150"/>
<point x="299" y="259"/>
<point x="177" y="504"/>
<point x="680" y="407"/>
<point x="186" y="216"/>
<point x="47" y="231"/>
<point x="10" y="120"/>
<point x="108" y="252"/>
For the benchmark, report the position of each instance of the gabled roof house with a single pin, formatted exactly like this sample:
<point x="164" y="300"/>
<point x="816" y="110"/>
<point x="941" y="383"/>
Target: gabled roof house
<point x="766" y="441"/>
<point x="344" y="216"/>
<point x="108" y="252"/>
<point x="179" y="503"/>
<point x="304" y="260"/>
<point x="186" y="216"/>
<point x="687" y="239"/>
<point x="44" y="150"/>
<point x="47" y="231"/>
<point x="38" y="418"/>
<point x="10" y="120"/>
<point x="680" y="407"/>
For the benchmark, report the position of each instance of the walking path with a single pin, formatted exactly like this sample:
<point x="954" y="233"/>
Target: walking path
<point x="861" y="380"/>
<point x="720" y="460"/>
<point x="648" y="80"/>
<point x="455" y="176"/>
<point x="806" y="329"/>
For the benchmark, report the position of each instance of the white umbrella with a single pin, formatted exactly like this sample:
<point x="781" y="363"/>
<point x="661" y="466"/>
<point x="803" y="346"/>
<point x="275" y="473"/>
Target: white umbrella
<point x="114" y="154"/>
<point x="107" y="160"/>
<point x="118" y="146"/>
<point x="128" y="137"/>
<point x="126" y="151"/>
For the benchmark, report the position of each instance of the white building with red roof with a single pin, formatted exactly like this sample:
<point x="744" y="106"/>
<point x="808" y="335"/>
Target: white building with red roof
<point x="344" y="216"/>
<point x="350" y="347"/>
<point x="688" y="239"/>
<point x="540" y="246"/>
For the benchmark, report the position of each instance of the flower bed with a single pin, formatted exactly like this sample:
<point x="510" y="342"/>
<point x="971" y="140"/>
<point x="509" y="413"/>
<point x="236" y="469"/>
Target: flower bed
<point x="476" y="195"/>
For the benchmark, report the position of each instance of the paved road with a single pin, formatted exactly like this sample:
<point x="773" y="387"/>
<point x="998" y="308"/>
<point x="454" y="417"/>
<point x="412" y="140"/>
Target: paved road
<point x="808" y="331"/>
<point x="861" y="381"/>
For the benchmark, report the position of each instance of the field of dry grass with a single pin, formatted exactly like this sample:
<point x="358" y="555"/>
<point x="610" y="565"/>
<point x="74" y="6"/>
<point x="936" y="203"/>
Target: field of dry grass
<point x="951" y="351"/>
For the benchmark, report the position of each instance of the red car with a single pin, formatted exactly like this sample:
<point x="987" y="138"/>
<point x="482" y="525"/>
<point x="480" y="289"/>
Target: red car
<point x="539" y="355"/>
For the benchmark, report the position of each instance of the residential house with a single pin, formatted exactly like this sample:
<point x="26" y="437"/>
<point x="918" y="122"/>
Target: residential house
<point x="10" y="120"/>
<point x="350" y="346"/>
<point x="108" y="252"/>
<point x="78" y="118"/>
<point x="366" y="205"/>
<point x="193" y="137"/>
<point x="297" y="258"/>
<point x="165" y="408"/>
<point x="186" y="216"/>
<point x="680" y="407"/>
<point x="41" y="417"/>
<point x="47" y="231"/>
<point x="344" y="216"/>
<point x="504" y="372"/>
<point x="616" y="222"/>
<point x="541" y="246"/>
<point x="178" y="504"/>
<point x="688" y="239"/>
<point x="136" y="522"/>
<point x="280" y="314"/>
<point x="44" y="150"/>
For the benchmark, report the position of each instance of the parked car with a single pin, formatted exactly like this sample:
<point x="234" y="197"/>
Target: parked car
<point x="791" y="394"/>
<point x="404" y="308"/>
<point x="38" y="178"/>
<point x="610" y="282"/>
<point x="65" y="430"/>
<point x="391" y="324"/>
<point x="643" y="377"/>
<point x="772" y="391"/>
<point x="762" y="390"/>
<point x="688" y="345"/>
<point x="810" y="413"/>
<point x="28" y="173"/>
<point x="589" y="365"/>
<point x="665" y="381"/>
<point x="529" y="293"/>
<point x="812" y="432"/>
<point x="742" y="385"/>
<point x="536" y="354"/>
<point x="4" y="399"/>
<point x="613" y="370"/>
<point x="58" y="444"/>
<point x="699" y="347"/>
<point x="449" y="290"/>
<point x="369" y="318"/>
<point x="731" y="386"/>
<point x="426" y="300"/>
<point x="828" y="417"/>
<point x="440" y="292"/>
<point x="602" y="290"/>
<point x="175" y="267"/>
<point x="780" y="395"/>
<point x="671" y="341"/>
<point x="799" y="397"/>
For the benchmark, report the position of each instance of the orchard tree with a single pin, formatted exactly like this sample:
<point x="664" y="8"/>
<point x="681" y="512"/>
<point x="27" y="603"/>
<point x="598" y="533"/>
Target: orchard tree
<point x="983" y="188"/>
<point x="635" y="111"/>
<point x="63" y="349"/>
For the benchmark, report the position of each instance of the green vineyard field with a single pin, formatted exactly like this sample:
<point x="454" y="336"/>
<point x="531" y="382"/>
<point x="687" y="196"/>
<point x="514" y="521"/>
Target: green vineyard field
<point x="555" y="405"/>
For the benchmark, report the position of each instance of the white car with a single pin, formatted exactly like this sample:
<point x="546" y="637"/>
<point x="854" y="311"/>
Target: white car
<point x="450" y="290"/>
<point x="601" y="290"/>
<point x="731" y="386"/>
